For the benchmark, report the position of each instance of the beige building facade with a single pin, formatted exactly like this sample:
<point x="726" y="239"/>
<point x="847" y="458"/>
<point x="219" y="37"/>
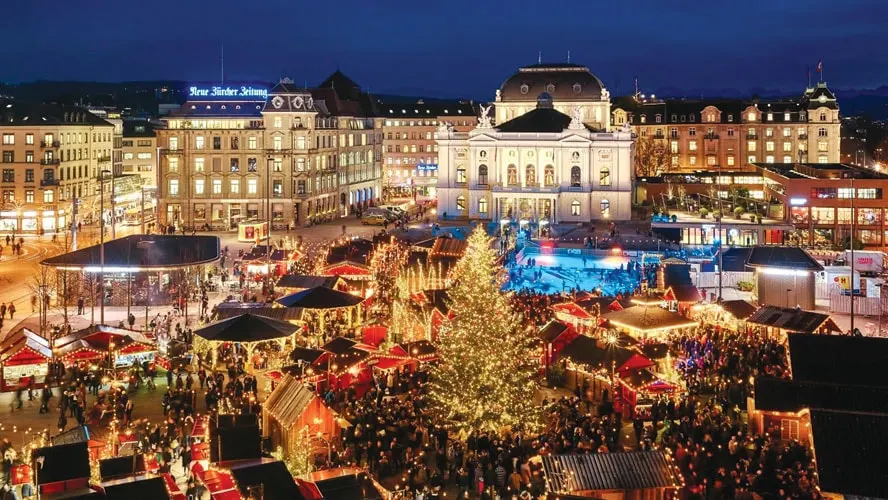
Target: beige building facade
<point x="735" y="134"/>
<point x="311" y="154"/>
<point x="51" y="155"/>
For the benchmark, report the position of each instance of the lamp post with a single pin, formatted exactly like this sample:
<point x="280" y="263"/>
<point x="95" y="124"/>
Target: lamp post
<point x="268" y="221"/>
<point x="102" y="243"/>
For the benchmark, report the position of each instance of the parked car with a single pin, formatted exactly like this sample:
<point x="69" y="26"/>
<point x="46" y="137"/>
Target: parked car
<point x="389" y="216"/>
<point x="374" y="219"/>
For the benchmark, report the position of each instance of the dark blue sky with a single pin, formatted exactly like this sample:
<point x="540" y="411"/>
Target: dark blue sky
<point x="454" y="47"/>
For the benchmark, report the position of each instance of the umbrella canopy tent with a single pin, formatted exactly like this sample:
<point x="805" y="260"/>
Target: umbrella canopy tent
<point x="643" y="321"/>
<point x="321" y="300"/>
<point x="247" y="328"/>
<point x="23" y="353"/>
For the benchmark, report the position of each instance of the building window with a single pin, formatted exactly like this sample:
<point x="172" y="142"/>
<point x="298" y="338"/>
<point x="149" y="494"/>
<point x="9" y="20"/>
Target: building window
<point x="789" y="429"/>
<point x="769" y="159"/>
<point x="461" y="203"/>
<point x="605" y="208"/>
<point x="48" y="196"/>
<point x="658" y="118"/>
<point x="235" y="186"/>
<point x="575" y="207"/>
<point x="29" y="175"/>
<point x="549" y="175"/>
<point x="252" y="186"/>
<point x="217" y="186"/>
<point x="174" y="187"/>
<point x="29" y="139"/>
<point x="604" y="177"/>
<point x="823" y="116"/>
<point x="750" y="159"/>
<point x="710" y="160"/>
<point x="787" y="159"/>
<point x="482" y="175"/>
<point x="530" y="175"/>
<point x="822" y="146"/>
<point x="575" y="176"/>
<point x="173" y="164"/>
<point x="692" y="132"/>
<point x="251" y="143"/>
<point x="143" y="156"/>
<point x="822" y="159"/>
<point x="674" y="161"/>
<point x="8" y="175"/>
<point x="845" y="193"/>
<point x="673" y="147"/>
<point x="750" y="116"/>
<point x="29" y="196"/>
<point x="821" y="132"/>
<point x="770" y="116"/>
<point x="277" y="122"/>
<point x="692" y="160"/>
<point x="8" y="139"/>
<point x="8" y="157"/>
<point x="869" y="194"/>
<point x="750" y="145"/>
<point x="787" y="147"/>
<point x="198" y="164"/>
<point x="251" y="164"/>
<point x="512" y="175"/>
<point x="461" y="174"/>
<point x="277" y="188"/>
<point x="277" y="143"/>
<point x="199" y="186"/>
<point x="692" y="145"/>
<point x="198" y="142"/>
<point x="769" y="146"/>
<point x="482" y="206"/>
<point x="731" y="160"/>
<point x="300" y="187"/>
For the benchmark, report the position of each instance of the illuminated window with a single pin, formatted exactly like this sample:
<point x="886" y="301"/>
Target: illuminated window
<point x="822" y="146"/>
<point x="198" y="164"/>
<point x="482" y="177"/>
<point x="251" y="143"/>
<point x="750" y="145"/>
<point x="48" y="196"/>
<point x="235" y="186"/>
<point x="787" y="132"/>
<point x="822" y="159"/>
<point x="710" y="160"/>
<point x="252" y="186"/>
<point x="199" y="142"/>
<point x="482" y="206"/>
<point x="769" y="146"/>
<point x="199" y="186"/>
<point x="604" y="177"/>
<point x="300" y="142"/>
<point x="770" y="116"/>
<point x="461" y="203"/>
<point x="277" y="143"/>
<point x="277" y="122"/>
<point x="605" y="208"/>
<point x="461" y="174"/>
<point x="750" y="116"/>
<point x="173" y="164"/>
<point x="530" y="175"/>
<point x="277" y="165"/>
<point x="674" y="161"/>
<point x="730" y="160"/>
<point x="512" y="175"/>
<point x="174" y="187"/>
<point x="217" y="186"/>
<point x="673" y="147"/>
<point x="787" y="159"/>
<point x="549" y="175"/>
<point x="769" y="159"/>
<point x="787" y="147"/>
<point x="750" y="159"/>
<point x="658" y="118"/>
<point x="692" y="160"/>
<point x="575" y="207"/>
<point x="692" y="145"/>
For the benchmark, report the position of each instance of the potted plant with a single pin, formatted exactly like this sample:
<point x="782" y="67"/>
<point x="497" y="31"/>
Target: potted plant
<point x="738" y="212"/>
<point x="716" y="214"/>
<point x="704" y="213"/>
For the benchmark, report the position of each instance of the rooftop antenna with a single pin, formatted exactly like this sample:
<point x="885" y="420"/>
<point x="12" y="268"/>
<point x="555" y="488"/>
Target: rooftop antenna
<point x="222" y="62"/>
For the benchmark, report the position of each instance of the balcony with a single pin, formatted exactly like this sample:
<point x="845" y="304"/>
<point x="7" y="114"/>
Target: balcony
<point x="173" y="151"/>
<point x="710" y="137"/>
<point x="49" y="144"/>
<point x="528" y="189"/>
<point x="49" y="182"/>
<point x="50" y="161"/>
<point x="659" y="136"/>
<point x="803" y="137"/>
<point x="752" y="136"/>
<point x="104" y="159"/>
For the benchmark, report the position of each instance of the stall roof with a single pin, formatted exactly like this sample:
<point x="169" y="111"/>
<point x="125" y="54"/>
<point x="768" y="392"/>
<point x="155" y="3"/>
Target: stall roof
<point x="585" y="350"/>
<point x="302" y="281"/>
<point x="782" y="258"/>
<point x="631" y="470"/>
<point x="147" y="252"/>
<point x="346" y="269"/>
<point x="572" y="309"/>
<point x="740" y="309"/>
<point x="320" y="298"/>
<point x="247" y="328"/>
<point x="449" y="247"/>
<point x="683" y="293"/>
<point x="307" y="355"/>
<point x="850" y="448"/>
<point x="339" y="345"/>
<point x="357" y="486"/>
<point x="838" y="359"/>
<point x="775" y="394"/>
<point x="553" y="330"/>
<point x="272" y="475"/>
<point x="278" y="313"/>
<point x="289" y="400"/>
<point x="647" y="319"/>
<point x="792" y="319"/>
<point x="136" y="488"/>
<point x="419" y="348"/>
<point x="24" y="338"/>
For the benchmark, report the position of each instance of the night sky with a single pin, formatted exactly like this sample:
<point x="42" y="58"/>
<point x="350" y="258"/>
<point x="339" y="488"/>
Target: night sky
<point x="450" y="48"/>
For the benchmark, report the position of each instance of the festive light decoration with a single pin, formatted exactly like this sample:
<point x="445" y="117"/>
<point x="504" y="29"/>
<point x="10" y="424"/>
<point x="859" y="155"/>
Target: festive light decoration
<point x="485" y="380"/>
<point x="300" y="459"/>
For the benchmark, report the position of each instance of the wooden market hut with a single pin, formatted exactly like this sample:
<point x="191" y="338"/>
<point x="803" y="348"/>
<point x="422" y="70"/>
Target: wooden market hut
<point x="290" y="409"/>
<point x="97" y="342"/>
<point x="265" y="476"/>
<point x="615" y="476"/>
<point x="555" y="335"/>
<point x="24" y="353"/>
<point x="570" y="312"/>
<point x="645" y="321"/>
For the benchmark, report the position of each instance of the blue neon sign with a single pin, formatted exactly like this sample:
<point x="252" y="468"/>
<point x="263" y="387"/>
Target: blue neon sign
<point x="426" y="167"/>
<point x="219" y="92"/>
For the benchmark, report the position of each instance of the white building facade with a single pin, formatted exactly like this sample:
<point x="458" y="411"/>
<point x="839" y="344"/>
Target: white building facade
<point x="542" y="165"/>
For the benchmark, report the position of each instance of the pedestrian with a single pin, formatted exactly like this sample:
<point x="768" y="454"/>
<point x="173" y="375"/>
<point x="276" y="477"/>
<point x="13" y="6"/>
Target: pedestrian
<point x="34" y="303"/>
<point x="11" y="310"/>
<point x="80" y="306"/>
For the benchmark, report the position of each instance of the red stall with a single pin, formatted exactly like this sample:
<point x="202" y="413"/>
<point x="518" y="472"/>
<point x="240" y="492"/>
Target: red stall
<point x="24" y="354"/>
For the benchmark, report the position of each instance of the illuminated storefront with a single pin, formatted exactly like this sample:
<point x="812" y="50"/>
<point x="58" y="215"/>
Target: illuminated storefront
<point x="32" y="221"/>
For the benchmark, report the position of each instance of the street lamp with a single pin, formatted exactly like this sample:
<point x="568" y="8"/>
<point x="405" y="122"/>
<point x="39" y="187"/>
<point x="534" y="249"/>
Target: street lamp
<point x="268" y="221"/>
<point x="102" y="243"/>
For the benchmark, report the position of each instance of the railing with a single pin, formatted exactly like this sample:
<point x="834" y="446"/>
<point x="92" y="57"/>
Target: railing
<point x="103" y="159"/>
<point x="49" y="144"/>
<point x="711" y="137"/>
<point x="50" y="161"/>
<point x="752" y="136"/>
<point x="49" y="182"/>
<point x="803" y="137"/>
<point x="174" y="151"/>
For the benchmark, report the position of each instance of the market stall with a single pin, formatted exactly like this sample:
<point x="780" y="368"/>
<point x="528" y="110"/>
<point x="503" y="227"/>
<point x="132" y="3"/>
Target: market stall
<point x="241" y="336"/>
<point x="252" y="231"/>
<point x="325" y="305"/>
<point x="97" y="342"/>
<point x="293" y="409"/>
<point x="648" y="321"/>
<point x="24" y="357"/>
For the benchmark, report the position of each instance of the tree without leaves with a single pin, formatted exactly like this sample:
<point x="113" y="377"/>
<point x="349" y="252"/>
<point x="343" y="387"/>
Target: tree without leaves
<point x="651" y="156"/>
<point x="485" y="380"/>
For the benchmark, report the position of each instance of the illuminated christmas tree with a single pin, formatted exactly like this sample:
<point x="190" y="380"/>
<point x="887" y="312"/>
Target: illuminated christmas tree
<point x="485" y="380"/>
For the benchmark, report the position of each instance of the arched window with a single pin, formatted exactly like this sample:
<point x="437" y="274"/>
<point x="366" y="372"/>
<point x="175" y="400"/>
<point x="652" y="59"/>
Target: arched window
<point x="512" y="175"/>
<point x="530" y="175"/>
<point x="821" y="132"/>
<point x="575" y="176"/>
<point x="549" y="175"/>
<point x="604" y="178"/>
<point x="482" y="206"/>
<point x="461" y="174"/>
<point x="482" y="174"/>
<point x="823" y="116"/>
<point x="575" y="207"/>
<point x="605" y="208"/>
<point x="461" y="203"/>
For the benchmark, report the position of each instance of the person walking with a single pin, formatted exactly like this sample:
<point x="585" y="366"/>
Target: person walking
<point x="11" y="310"/>
<point x="80" y="306"/>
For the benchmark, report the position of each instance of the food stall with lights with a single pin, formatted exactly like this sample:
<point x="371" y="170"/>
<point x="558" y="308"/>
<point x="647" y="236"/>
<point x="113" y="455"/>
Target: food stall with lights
<point x="97" y="342"/>
<point x="252" y="231"/>
<point x="292" y="409"/>
<point x="24" y="354"/>
<point x="649" y="322"/>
